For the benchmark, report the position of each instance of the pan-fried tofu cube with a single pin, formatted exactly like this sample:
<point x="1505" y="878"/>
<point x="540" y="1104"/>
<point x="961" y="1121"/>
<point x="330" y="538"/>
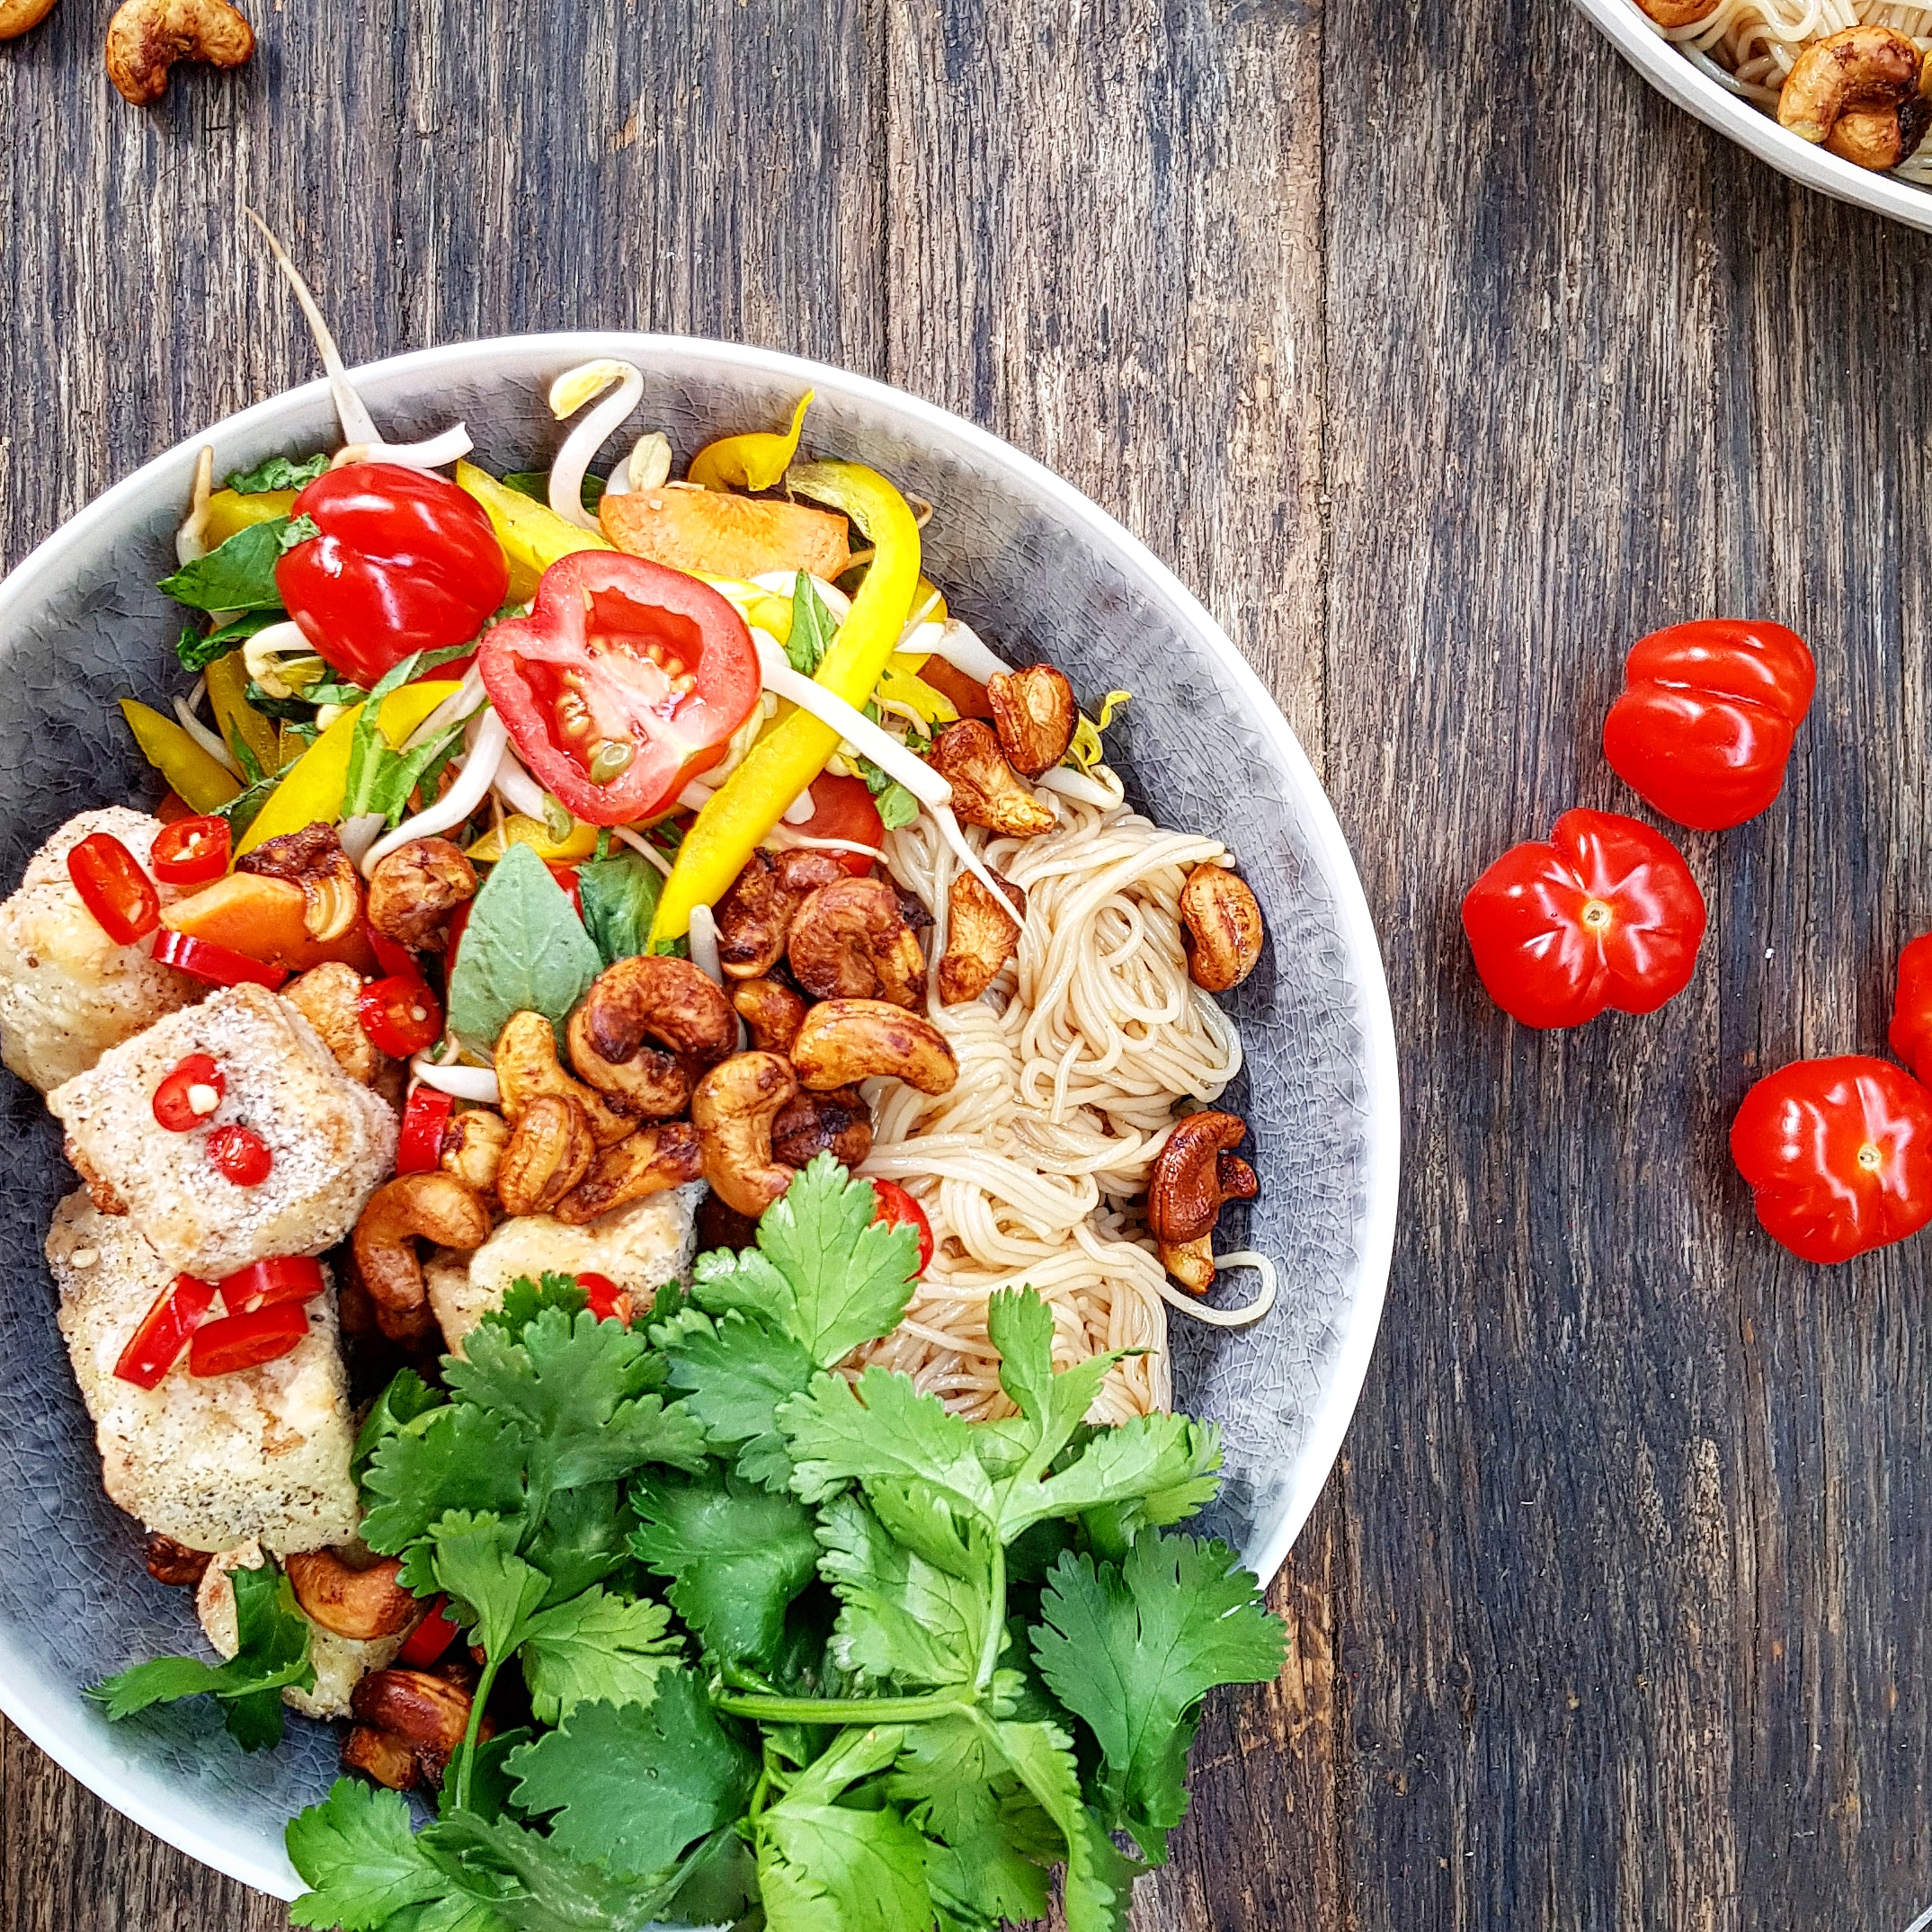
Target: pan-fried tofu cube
<point x="261" y="1453"/>
<point x="331" y="1139"/>
<point x="67" y="992"/>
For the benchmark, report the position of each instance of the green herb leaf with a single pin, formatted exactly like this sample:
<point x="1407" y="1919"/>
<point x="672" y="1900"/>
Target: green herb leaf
<point x="197" y="652"/>
<point x="407" y="1397"/>
<point x="619" y="897"/>
<point x="1146" y="1455"/>
<point x="1100" y="1880"/>
<point x="237" y="575"/>
<point x="584" y="1538"/>
<point x="279" y="473"/>
<point x="536" y="483"/>
<point x="452" y="1458"/>
<point x="896" y="807"/>
<point x="492" y="1592"/>
<point x="360" y="1858"/>
<point x="596" y="1648"/>
<point x="631" y="1790"/>
<point x="242" y="810"/>
<point x="733" y="1373"/>
<point x="531" y="1883"/>
<point x="524" y="949"/>
<point x="1020" y="1326"/>
<point x="524" y="1300"/>
<point x="902" y="1618"/>
<point x="813" y="627"/>
<point x="381" y="779"/>
<point x="300" y="529"/>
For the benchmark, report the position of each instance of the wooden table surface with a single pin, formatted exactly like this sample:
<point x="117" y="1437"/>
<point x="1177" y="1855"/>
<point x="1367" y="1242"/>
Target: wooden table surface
<point x="1443" y="359"/>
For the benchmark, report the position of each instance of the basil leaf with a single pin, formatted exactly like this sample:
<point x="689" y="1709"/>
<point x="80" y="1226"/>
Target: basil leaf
<point x="523" y="950"/>
<point x="812" y="626"/>
<point x="198" y="651"/>
<point x="536" y="483"/>
<point x="896" y="807"/>
<point x="279" y="473"/>
<point x="619" y="895"/>
<point x="238" y="575"/>
<point x="242" y="810"/>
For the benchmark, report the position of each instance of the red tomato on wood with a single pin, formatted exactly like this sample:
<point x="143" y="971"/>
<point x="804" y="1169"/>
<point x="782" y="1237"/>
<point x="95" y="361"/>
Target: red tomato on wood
<point x="1704" y="730"/>
<point x="1838" y="1155"/>
<point x="1605" y="914"/>
<point x="842" y="809"/>
<point x="1911" y="1009"/>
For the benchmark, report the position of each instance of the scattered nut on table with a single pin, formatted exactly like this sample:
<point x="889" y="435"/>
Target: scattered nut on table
<point x="16" y="16"/>
<point x="147" y="37"/>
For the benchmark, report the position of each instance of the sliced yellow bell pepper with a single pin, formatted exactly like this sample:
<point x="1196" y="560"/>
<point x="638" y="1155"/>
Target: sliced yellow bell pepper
<point x="903" y="684"/>
<point x="751" y="462"/>
<point x="313" y="785"/>
<point x="199" y="780"/>
<point x="517" y="829"/>
<point x="230" y="513"/>
<point x="793" y="752"/>
<point x="238" y="721"/>
<point x="533" y="535"/>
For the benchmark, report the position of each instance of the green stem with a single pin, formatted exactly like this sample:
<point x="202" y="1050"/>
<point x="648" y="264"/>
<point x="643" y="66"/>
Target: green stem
<point x="845" y="1710"/>
<point x="988" y="1654"/>
<point x="468" y="1752"/>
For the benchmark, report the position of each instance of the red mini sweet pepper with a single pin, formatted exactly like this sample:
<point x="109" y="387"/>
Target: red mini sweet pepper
<point x="1604" y="914"/>
<point x="1838" y="1155"/>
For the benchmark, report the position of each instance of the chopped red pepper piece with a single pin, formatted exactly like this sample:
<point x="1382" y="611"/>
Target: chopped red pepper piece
<point x="400" y="1014"/>
<point x="242" y="1154"/>
<point x="192" y="851"/>
<point x="156" y="1344"/>
<point x="112" y="886"/>
<point x="430" y="1639"/>
<point x="425" y="1119"/>
<point x="216" y="964"/>
<point x="607" y="1301"/>
<point x="842" y="809"/>
<point x="187" y="1098"/>
<point x="247" y="1340"/>
<point x="1911" y="1010"/>
<point x="390" y="957"/>
<point x="287" y="1278"/>
<point x="897" y="1208"/>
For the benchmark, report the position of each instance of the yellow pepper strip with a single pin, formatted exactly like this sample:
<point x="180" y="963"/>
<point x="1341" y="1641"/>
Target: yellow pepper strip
<point x="313" y="785"/>
<point x="752" y="462"/>
<point x="235" y="719"/>
<point x="793" y="752"/>
<point x="230" y="513"/>
<point x="199" y="781"/>
<point x="906" y="686"/>
<point x="517" y="830"/>
<point x="762" y="610"/>
<point x="533" y="535"/>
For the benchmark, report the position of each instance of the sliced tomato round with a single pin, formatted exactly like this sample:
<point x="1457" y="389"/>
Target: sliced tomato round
<point x="842" y="809"/>
<point x="625" y="681"/>
<point x="246" y="1341"/>
<point x="897" y="1208"/>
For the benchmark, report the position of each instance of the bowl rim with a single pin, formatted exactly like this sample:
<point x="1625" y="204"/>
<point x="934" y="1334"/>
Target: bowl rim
<point x="83" y="1752"/>
<point x="1630" y="30"/>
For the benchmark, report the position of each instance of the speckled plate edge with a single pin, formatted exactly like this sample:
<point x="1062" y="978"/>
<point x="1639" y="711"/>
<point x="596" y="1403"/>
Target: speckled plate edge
<point x="44" y="1712"/>
<point x="1625" y="26"/>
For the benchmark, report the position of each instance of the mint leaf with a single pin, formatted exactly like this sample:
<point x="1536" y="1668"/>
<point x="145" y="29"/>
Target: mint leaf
<point x="236" y="575"/>
<point x="596" y="1648"/>
<point x="812" y="628"/>
<point x="883" y="1428"/>
<point x="619" y="897"/>
<point x="454" y="1457"/>
<point x="298" y="530"/>
<point x="1133" y="1649"/>
<point x="360" y="1858"/>
<point x="407" y="1397"/>
<point x="902" y="1618"/>
<point x="735" y="1555"/>
<point x="631" y="1789"/>
<point x="279" y="473"/>
<point x="524" y="949"/>
<point x="733" y="1373"/>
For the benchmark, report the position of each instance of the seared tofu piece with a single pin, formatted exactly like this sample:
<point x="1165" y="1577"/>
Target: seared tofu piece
<point x="262" y="1453"/>
<point x="332" y="1139"/>
<point x="640" y="1247"/>
<point x="67" y="992"/>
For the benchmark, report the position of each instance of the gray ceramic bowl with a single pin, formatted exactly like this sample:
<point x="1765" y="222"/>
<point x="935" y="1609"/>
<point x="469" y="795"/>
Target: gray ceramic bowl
<point x="1041" y="572"/>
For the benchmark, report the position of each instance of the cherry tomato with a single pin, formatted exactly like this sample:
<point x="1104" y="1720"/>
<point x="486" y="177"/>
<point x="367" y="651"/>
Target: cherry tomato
<point x="404" y="561"/>
<point x="1704" y="730"/>
<point x="897" y="1208"/>
<point x="1838" y="1155"/>
<point x="1606" y="914"/>
<point x="400" y="1014"/>
<point x="247" y="1340"/>
<point x="242" y="1154"/>
<point x="626" y="680"/>
<point x="192" y="851"/>
<point x="288" y="1278"/>
<point x="112" y="886"/>
<point x="156" y="1344"/>
<point x="390" y="957"/>
<point x="189" y="1095"/>
<point x="607" y="1302"/>
<point x="425" y="1119"/>
<point x="216" y="964"/>
<point x="1911" y="1009"/>
<point x="429" y="1640"/>
<point x="842" y="809"/>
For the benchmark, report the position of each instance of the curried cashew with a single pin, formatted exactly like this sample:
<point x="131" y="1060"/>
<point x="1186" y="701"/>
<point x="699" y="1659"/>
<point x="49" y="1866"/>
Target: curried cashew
<point x="986" y="790"/>
<point x="652" y="1159"/>
<point x="430" y="1714"/>
<point x="169" y="1562"/>
<point x="1034" y="713"/>
<point x="147" y="37"/>
<point x="645" y="999"/>
<point x="377" y="1755"/>
<point x="838" y="1123"/>
<point x="527" y="1067"/>
<point x="1679" y="13"/>
<point x="436" y="1207"/>
<point x="415" y="890"/>
<point x="1870" y="78"/>
<point x="981" y="937"/>
<point x="850" y="940"/>
<point x="550" y="1152"/>
<point x="328" y="997"/>
<point x="16" y="16"/>
<point x="772" y="1011"/>
<point x="845" y="1041"/>
<point x="755" y="915"/>
<point x="361" y="1603"/>
<point x="313" y="860"/>
<point x="473" y="1148"/>
<point x="1222" y="930"/>
<point x="733" y="1110"/>
<point x="1195" y="1171"/>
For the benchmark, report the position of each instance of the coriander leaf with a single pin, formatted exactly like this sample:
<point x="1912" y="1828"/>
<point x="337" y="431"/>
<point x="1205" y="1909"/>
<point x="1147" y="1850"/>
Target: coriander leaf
<point x="1020" y="1326"/>
<point x="582" y="1538"/>
<point x="883" y="1428"/>
<point x="523" y="950"/>
<point x="1144" y="1456"/>
<point x="1133" y="1649"/>
<point x="279" y="473"/>
<point x="491" y="1785"/>
<point x="531" y="1884"/>
<point x="736" y="1558"/>
<point x="455" y="1457"/>
<point x="524" y="1300"/>
<point x="925" y="1524"/>
<point x="619" y="897"/>
<point x="596" y="1647"/>
<point x="197" y="652"/>
<point x="632" y="1789"/>
<point x="958" y="1785"/>
<point x="902" y="1619"/>
<point x="492" y="1590"/>
<point x="359" y="1856"/>
<point x="732" y="1373"/>
<point x="718" y="1886"/>
<point x="237" y="575"/>
<point x="407" y="1397"/>
<point x="982" y="1880"/>
<point x="812" y="628"/>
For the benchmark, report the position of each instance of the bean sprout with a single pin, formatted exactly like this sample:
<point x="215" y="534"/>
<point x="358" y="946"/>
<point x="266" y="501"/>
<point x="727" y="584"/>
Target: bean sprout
<point x="958" y="644"/>
<point x="460" y="702"/>
<point x="472" y="785"/>
<point x="350" y="411"/>
<point x="568" y="394"/>
<point x="190" y="540"/>
<point x="642" y="845"/>
<point x="1082" y="785"/>
<point x="645" y="468"/>
<point x="433" y="453"/>
<point x="208" y="740"/>
<point x="466" y="1082"/>
<point x="702" y="934"/>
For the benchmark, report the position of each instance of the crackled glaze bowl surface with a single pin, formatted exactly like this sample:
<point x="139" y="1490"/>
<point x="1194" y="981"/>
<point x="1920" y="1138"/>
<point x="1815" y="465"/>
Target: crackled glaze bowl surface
<point x="1041" y="573"/>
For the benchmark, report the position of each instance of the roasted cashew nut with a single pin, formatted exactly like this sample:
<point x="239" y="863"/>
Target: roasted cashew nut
<point x="1220" y="928"/>
<point x="361" y="1603"/>
<point x="838" y="1123"/>
<point x="434" y="1207"/>
<point x="1034" y="713"/>
<point x="1679" y="13"/>
<point x="313" y="860"/>
<point x="1195" y="1171"/>
<point x="845" y="1041"/>
<point x="1861" y="93"/>
<point x="986" y="790"/>
<point x="147" y="37"/>
<point x="549" y="1151"/>
<point x="755" y="915"/>
<point x="645" y="999"/>
<point x="388" y="1760"/>
<point x="416" y="889"/>
<point x="850" y="940"/>
<point x="733" y="1110"/>
<point x="981" y="937"/>
<point x="527" y="1067"/>
<point x="473" y="1147"/>
<point x="653" y="1160"/>
<point x="771" y="1011"/>
<point x="429" y="1714"/>
<point x="328" y="997"/>
<point x="17" y="15"/>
